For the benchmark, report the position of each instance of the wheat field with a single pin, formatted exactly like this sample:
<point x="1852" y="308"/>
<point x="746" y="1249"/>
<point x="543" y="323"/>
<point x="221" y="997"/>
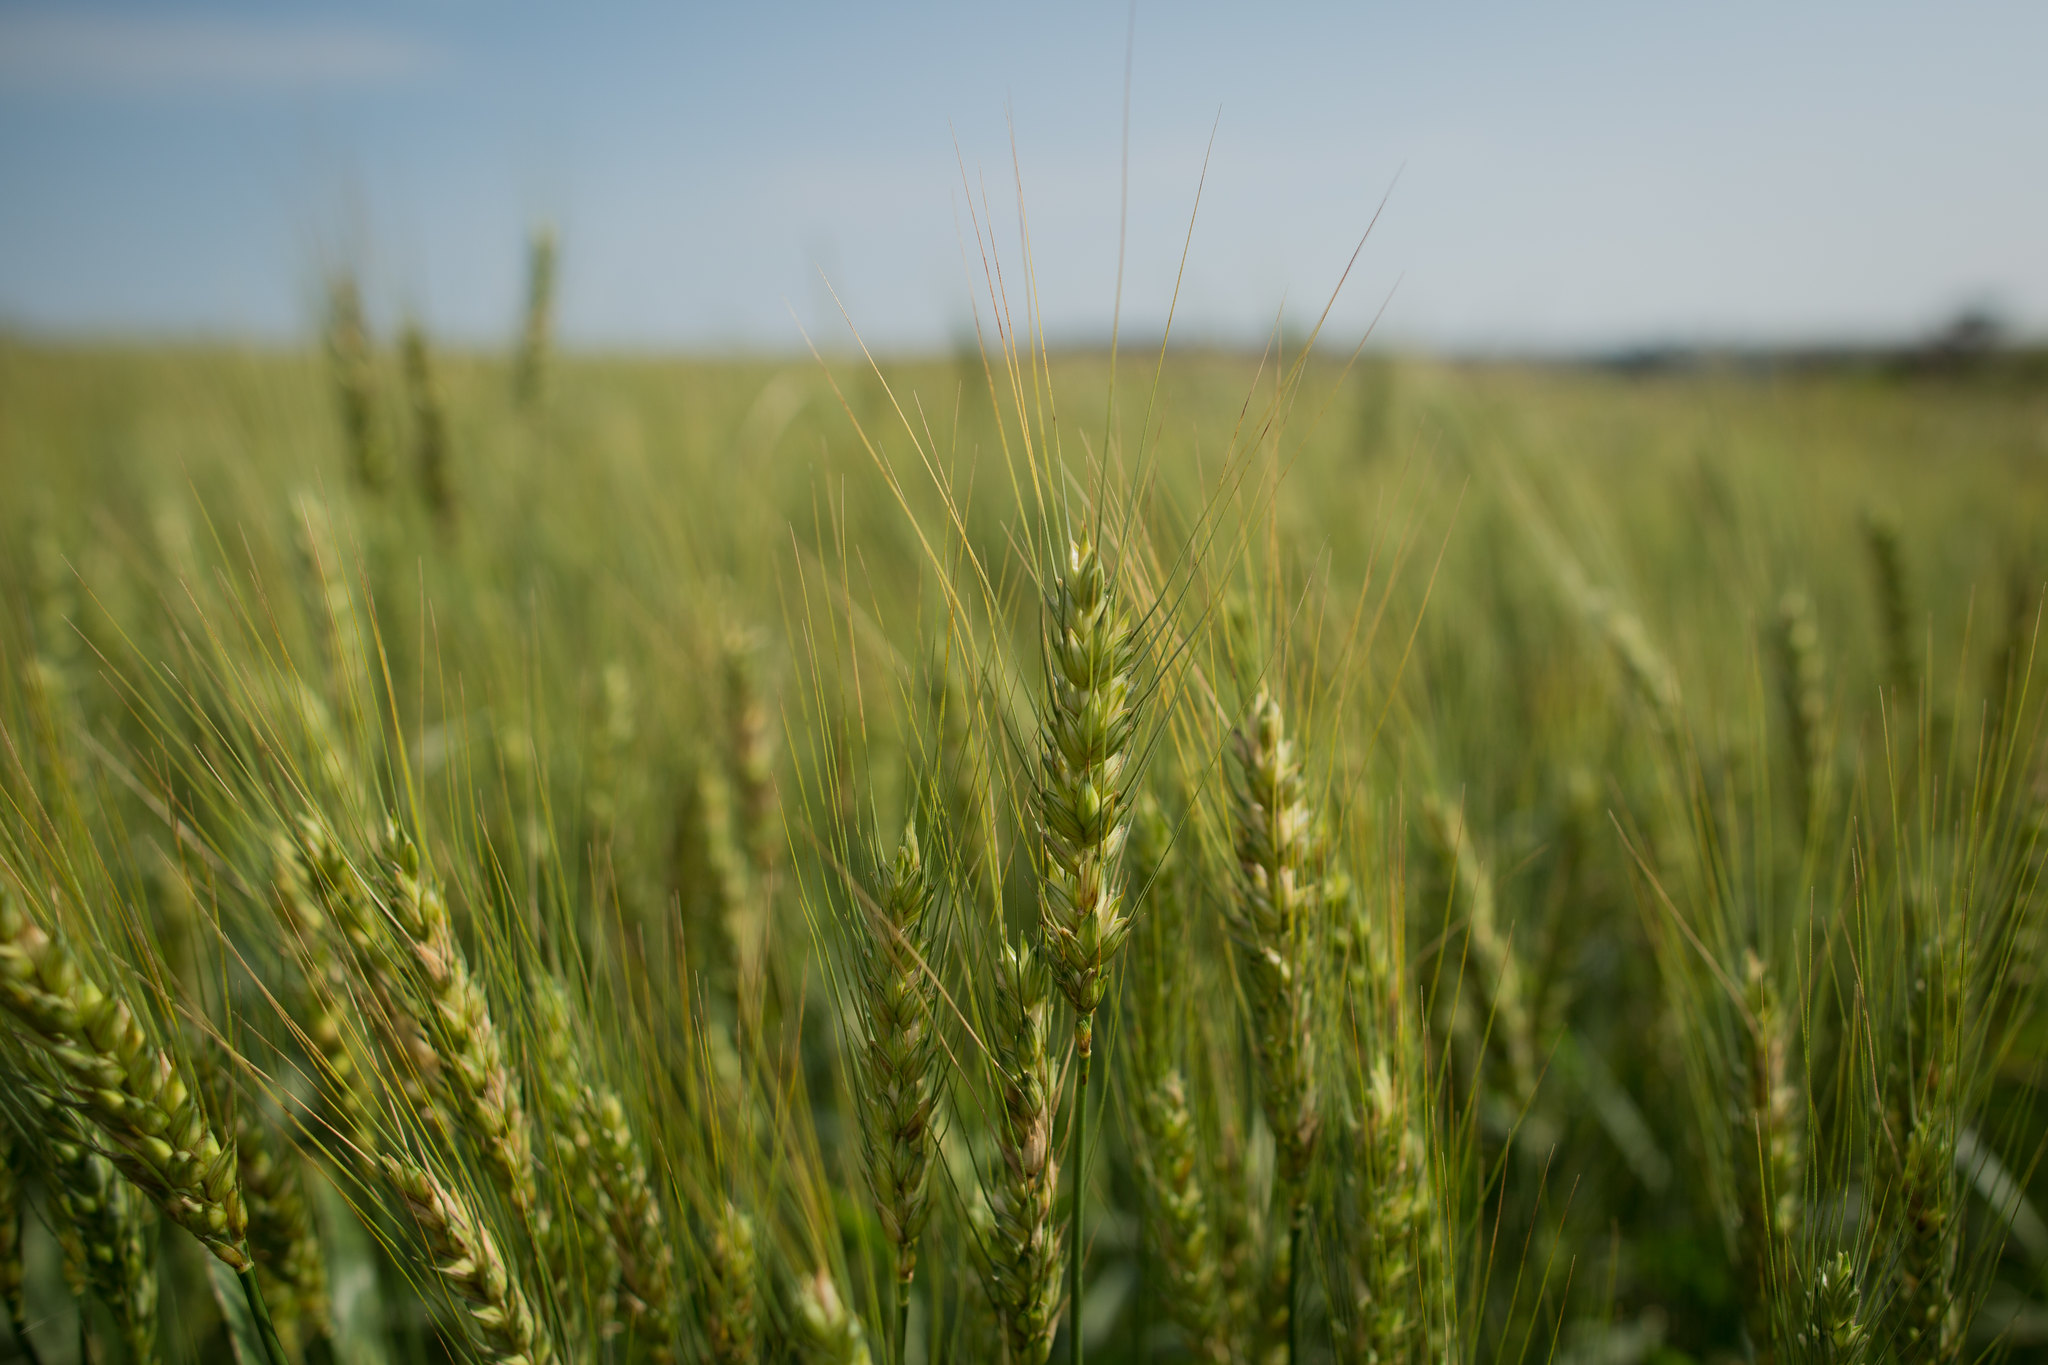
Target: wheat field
<point x="1024" y="855"/>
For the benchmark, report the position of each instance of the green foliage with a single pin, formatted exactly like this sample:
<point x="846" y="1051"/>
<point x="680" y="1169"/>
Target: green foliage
<point x="1629" y="942"/>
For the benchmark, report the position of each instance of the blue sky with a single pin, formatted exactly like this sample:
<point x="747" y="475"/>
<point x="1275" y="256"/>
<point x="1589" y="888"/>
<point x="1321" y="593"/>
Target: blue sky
<point x="1573" y="174"/>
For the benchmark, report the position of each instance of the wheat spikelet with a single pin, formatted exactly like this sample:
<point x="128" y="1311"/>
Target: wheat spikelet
<point x="826" y="1331"/>
<point x="502" y="1326"/>
<point x="129" y="1089"/>
<point x="731" y="1285"/>
<point x="458" y="1019"/>
<point x="899" y="1056"/>
<point x="1769" y="1151"/>
<point x="1023" y="1243"/>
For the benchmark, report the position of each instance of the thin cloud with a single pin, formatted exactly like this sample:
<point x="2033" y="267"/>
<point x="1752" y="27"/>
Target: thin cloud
<point x="60" y="53"/>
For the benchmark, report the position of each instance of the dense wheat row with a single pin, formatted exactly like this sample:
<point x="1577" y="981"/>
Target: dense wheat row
<point x="561" y="861"/>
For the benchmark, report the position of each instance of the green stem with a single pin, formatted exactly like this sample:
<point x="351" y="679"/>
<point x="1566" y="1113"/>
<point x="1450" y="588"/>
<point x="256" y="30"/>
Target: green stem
<point x="1297" y="1221"/>
<point x="902" y="1321"/>
<point x="260" y="1311"/>
<point x="1078" y="1160"/>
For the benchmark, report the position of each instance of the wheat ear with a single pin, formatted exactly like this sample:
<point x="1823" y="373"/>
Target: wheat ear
<point x="529" y="380"/>
<point x="1166" y="1142"/>
<point x="459" y="1024"/>
<point x="348" y="354"/>
<point x="827" y="1332"/>
<point x="560" y="1077"/>
<point x="1834" y="1333"/>
<point x="130" y="1089"/>
<point x="1497" y="988"/>
<point x="1393" y="1249"/>
<point x="1088" y="729"/>
<point x="430" y="426"/>
<point x="1769" y="1158"/>
<point x="732" y="1295"/>
<point x="301" y="867"/>
<point x="1802" y="680"/>
<point x="749" y="746"/>
<point x="1177" y="1220"/>
<point x="1273" y="918"/>
<point x="282" y="1236"/>
<point x="1024" y="1244"/>
<point x="638" y="1237"/>
<point x="899" y="1061"/>
<point x="102" y="1230"/>
<point x="1918" y="1144"/>
<point x="502" y="1326"/>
